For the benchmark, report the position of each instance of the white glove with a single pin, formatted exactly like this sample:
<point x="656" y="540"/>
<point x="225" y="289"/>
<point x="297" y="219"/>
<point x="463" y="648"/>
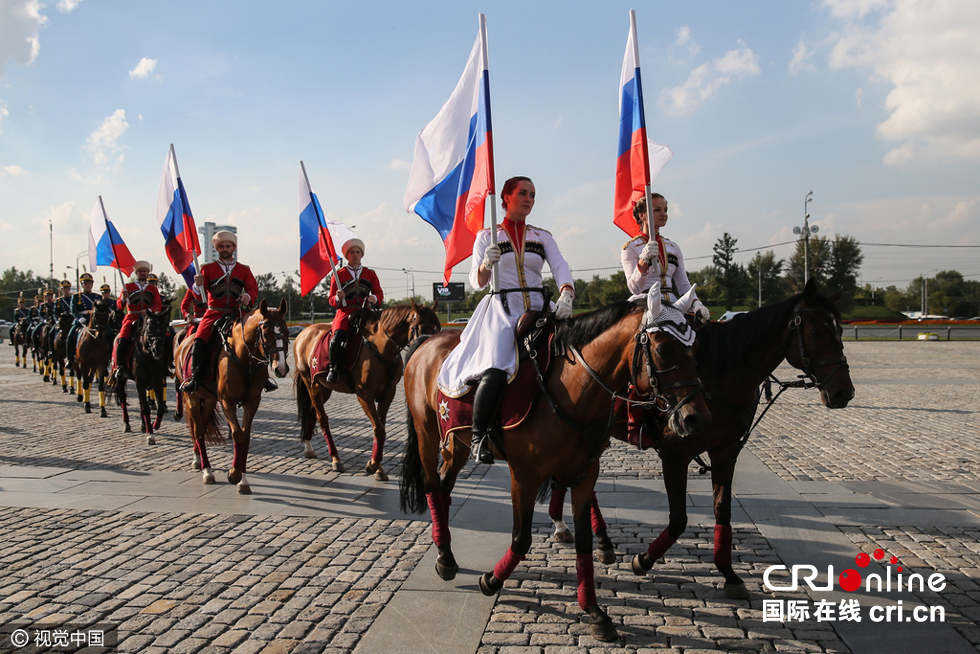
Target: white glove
<point x="491" y="255"/>
<point x="649" y="252"/>
<point x="372" y="299"/>
<point x="701" y="311"/>
<point x="563" y="307"/>
<point x="246" y="299"/>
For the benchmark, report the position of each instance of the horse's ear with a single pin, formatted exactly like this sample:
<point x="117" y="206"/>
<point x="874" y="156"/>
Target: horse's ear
<point x="835" y="298"/>
<point x="435" y="304"/>
<point x="415" y="307"/>
<point x="263" y="307"/>
<point x="687" y="300"/>
<point x="282" y="306"/>
<point x="654" y="301"/>
<point x="810" y="289"/>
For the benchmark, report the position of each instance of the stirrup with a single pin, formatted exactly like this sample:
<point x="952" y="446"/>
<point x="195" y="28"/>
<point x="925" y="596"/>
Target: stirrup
<point x="482" y="453"/>
<point x="333" y="376"/>
<point x="189" y="386"/>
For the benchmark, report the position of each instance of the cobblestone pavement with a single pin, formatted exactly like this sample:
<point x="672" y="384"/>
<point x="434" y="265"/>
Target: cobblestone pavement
<point x="195" y="581"/>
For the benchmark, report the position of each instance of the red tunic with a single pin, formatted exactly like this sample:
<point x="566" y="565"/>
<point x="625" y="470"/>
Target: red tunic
<point x="356" y="293"/>
<point x="192" y="307"/>
<point x="224" y="293"/>
<point x="136" y="298"/>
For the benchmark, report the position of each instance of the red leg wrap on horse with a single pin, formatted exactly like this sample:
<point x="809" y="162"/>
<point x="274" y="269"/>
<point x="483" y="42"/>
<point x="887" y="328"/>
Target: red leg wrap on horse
<point x="598" y="524"/>
<point x="378" y="450"/>
<point x="557" y="503"/>
<point x="440" y="519"/>
<point x="586" y="581"/>
<point x="507" y="564"/>
<point x="723" y="544"/>
<point x="330" y="446"/>
<point x="661" y="545"/>
<point x="238" y="460"/>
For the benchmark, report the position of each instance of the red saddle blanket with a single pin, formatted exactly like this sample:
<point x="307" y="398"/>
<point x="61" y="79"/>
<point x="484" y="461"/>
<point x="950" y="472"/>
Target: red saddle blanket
<point x="519" y="398"/>
<point x="320" y="358"/>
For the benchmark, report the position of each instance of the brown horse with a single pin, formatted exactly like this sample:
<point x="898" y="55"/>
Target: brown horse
<point x="374" y="375"/>
<point x="18" y="338"/>
<point x="62" y="360"/>
<point x="258" y="340"/>
<point x="562" y="437"/>
<point x="93" y="354"/>
<point x="734" y="359"/>
<point x="149" y="368"/>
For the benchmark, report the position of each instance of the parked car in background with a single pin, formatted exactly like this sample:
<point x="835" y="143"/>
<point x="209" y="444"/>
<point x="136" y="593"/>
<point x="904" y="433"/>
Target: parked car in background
<point x="458" y="321"/>
<point x="5" y="328"/>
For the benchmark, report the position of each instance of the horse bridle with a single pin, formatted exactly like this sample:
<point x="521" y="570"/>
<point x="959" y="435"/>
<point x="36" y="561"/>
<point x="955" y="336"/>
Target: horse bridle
<point x="808" y="366"/>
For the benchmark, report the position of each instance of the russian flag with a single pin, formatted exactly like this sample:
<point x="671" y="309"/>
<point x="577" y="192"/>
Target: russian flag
<point x="176" y="220"/>
<point x="105" y="245"/>
<point x="632" y="160"/>
<point x="318" y="252"/>
<point x="452" y="172"/>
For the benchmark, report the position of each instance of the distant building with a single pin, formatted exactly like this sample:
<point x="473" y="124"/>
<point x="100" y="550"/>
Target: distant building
<point x="209" y="230"/>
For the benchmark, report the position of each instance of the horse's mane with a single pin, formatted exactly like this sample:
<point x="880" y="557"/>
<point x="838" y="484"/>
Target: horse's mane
<point x="725" y="345"/>
<point x="586" y="327"/>
<point x="390" y="317"/>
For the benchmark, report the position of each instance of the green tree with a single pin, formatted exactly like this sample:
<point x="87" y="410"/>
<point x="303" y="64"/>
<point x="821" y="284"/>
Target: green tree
<point x="842" y="268"/>
<point x="13" y="282"/>
<point x="765" y="271"/>
<point x="819" y="257"/>
<point x="707" y="280"/>
<point x="733" y="278"/>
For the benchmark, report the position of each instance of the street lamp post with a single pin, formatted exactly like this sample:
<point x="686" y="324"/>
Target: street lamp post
<point x="409" y="272"/>
<point x="806" y="231"/>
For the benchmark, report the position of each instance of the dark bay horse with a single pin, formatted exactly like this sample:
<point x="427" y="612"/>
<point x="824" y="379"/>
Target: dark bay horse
<point x="562" y="437"/>
<point x="93" y="354"/>
<point x="734" y="359"/>
<point x="18" y="336"/>
<point x="375" y="376"/>
<point x="61" y="359"/>
<point x="148" y="368"/>
<point x="258" y="340"/>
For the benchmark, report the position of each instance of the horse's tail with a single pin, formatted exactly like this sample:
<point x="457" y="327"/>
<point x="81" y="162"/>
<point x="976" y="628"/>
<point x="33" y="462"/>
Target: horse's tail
<point x="212" y="433"/>
<point x="412" y="486"/>
<point x="304" y="403"/>
<point x="414" y="345"/>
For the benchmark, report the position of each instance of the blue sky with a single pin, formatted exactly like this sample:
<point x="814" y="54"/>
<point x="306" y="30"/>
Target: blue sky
<point x="872" y="104"/>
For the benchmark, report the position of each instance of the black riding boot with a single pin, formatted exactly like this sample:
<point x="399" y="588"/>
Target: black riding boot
<point x="486" y="400"/>
<point x="122" y="352"/>
<point x="336" y="353"/>
<point x="199" y="360"/>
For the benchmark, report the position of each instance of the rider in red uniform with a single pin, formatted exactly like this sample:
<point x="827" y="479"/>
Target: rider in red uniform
<point x="229" y="286"/>
<point x="136" y="297"/>
<point x="352" y="288"/>
<point x="193" y="308"/>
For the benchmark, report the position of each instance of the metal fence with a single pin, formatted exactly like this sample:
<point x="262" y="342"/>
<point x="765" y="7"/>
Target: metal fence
<point x="911" y="332"/>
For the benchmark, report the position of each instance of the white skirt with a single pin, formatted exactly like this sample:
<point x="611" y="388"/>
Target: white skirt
<point x="487" y="342"/>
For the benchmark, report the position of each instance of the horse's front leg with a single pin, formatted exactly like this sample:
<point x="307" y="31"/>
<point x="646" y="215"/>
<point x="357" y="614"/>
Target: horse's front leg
<point x="377" y="451"/>
<point x="241" y="435"/>
<point x="522" y="494"/>
<point x="145" y="414"/>
<point x="160" y="389"/>
<point x="582" y="498"/>
<point x="722" y="473"/>
<point x="675" y="481"/>
<point x="318" y="399"/>
<point x="102" y="381"/>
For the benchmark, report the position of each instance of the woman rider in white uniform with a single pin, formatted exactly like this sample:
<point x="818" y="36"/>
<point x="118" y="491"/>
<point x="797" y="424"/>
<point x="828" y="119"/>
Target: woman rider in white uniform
<point x="488" y="349"/>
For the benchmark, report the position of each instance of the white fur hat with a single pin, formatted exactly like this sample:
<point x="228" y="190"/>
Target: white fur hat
<point x="352" y="242"/>
<point x="222" y="236"/>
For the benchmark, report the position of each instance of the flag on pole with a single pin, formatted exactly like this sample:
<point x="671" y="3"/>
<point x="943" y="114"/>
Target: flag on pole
<point x="177" y="221"/>
<point x="452" y="172"/>
<point x="320" y="240"/>
<point x="633" y="173"/>
<point x="105" y="245"/>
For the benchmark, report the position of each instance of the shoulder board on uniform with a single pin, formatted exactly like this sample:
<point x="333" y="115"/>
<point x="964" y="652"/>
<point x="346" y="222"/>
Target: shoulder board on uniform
<point x="630" y="242"/>
<point x="538" y="229"/>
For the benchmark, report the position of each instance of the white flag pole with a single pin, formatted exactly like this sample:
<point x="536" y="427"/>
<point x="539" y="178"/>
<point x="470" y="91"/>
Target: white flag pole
<point x="320" y="221"/>
<point x="492" y="196"/>
<point x="652" y="230"/>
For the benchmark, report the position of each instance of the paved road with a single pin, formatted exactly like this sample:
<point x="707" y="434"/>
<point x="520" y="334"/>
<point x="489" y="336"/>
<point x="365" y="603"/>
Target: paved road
<point x="99" y="527"/>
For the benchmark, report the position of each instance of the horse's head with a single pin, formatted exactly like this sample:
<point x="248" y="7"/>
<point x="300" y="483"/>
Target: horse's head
<point x="423" y="320"/>
<point x="64" y="323"/>
<point x="100" y="313"/>
<point x="814" y="346"/>
<point x="154" y="334"/>
<point x="664" y="366"/>
<point x="274" y="336"/>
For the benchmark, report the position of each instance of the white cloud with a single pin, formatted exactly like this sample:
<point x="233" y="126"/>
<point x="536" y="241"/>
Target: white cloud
<point x="3" y="113"/>
<point x="20" y="23"/>
<point x="143" y="68"/>
<point x="928" y="52"/>
<point x="801" y="53"/>
<point x="399" y="164"/>
<point x="707" y="79"/>
<point x="103" y="143"/>
<point x="67" y="6"/>
<point x="684" y="39"/>
<point x="13" y="171"/>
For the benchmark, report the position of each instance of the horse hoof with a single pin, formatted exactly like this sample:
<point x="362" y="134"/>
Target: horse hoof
<point x="88" y="409"/>
<point x="47" y="378"/>
<point x="381" y="475"/>
<point x="604" y="631"/>
<point x="244" y="489"/>
<point x="150" y="440"/>
<point x="638" y="567"/>
<point x="64" y="389"/>
<point x="606" y="557"/>
<point x="128" y="429"/>
<point x="196" y="465"/>
<point x="234" y="476"/>
<point x="564" y="536"/>
<point x="208" y="478"/>
<point x="178" y="415"/>
<point x="78" y="398"/>
<point x="736" y="591"/>
<point x="446" y="572"/>
<point x="310" y="454"/>
<point x="103" y="413"/>
<point x="490" y="585"/>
